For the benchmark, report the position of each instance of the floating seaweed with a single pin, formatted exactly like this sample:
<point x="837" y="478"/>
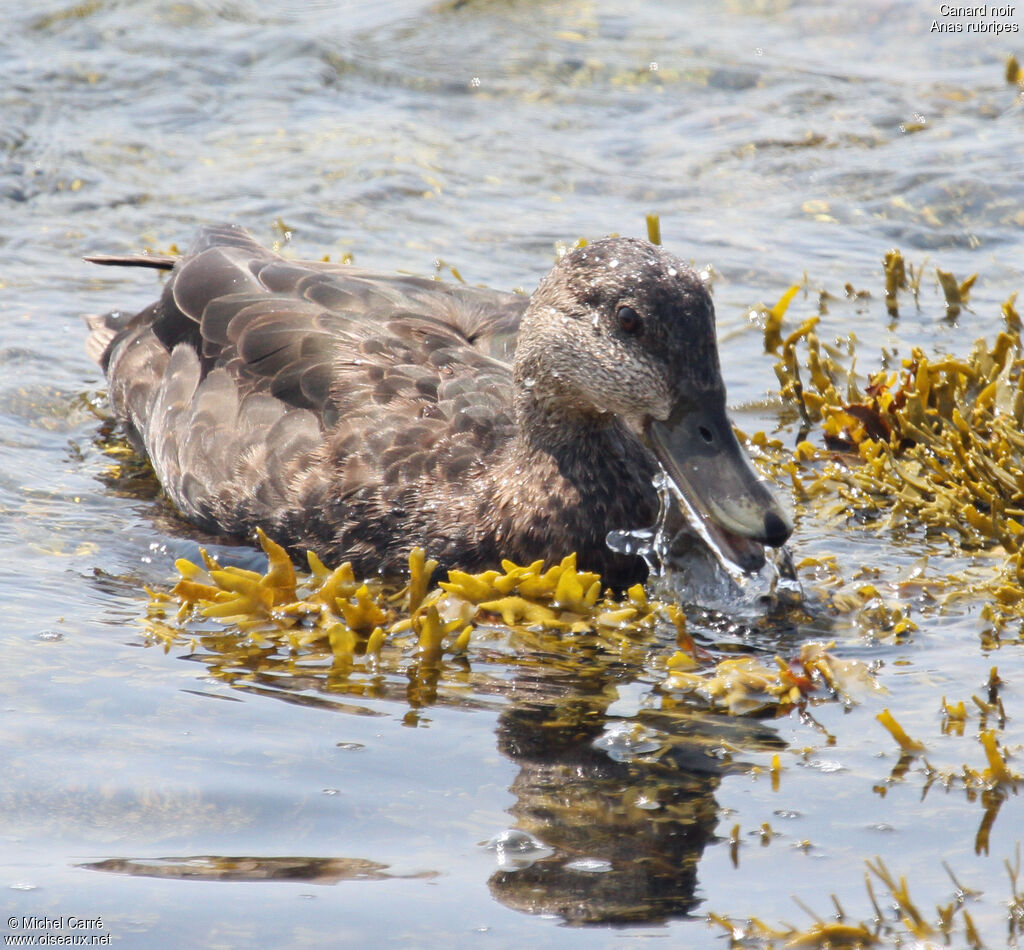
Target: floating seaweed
<point x="990" y="784"/>
<point x="903" y="919"/>
<point x="556" y="609"/>
<point x="935" y="445"/>
<point x="929" y="446"/>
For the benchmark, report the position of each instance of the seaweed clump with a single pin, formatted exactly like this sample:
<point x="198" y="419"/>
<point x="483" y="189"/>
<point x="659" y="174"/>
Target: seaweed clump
<point x="935" y="443"/>
<point x="563" y="616"/>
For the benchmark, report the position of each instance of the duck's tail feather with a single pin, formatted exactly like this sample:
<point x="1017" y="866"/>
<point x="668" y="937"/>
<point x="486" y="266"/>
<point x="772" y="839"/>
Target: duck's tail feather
<point x="101" y="332"/>
<point x="104" y="328"/>
<point x="156" y="261"/>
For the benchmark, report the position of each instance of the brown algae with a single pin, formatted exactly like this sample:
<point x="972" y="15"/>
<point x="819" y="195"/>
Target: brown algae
<point x="936" y="444"/>
<point x="567" y="614"/>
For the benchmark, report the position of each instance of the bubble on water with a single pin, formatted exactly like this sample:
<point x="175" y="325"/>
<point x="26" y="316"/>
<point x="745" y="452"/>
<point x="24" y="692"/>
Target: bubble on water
<point x="515" y="849"/>
<point x="647" y="804"/>
<point x="625" y="741"/>
<point x="826" y="765"/>
<point x="590" y="865"/>
<point x="513" y="840"/>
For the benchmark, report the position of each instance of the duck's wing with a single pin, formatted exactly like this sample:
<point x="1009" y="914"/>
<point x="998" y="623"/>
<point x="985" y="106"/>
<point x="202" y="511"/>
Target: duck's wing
<point x="329" y="338"/>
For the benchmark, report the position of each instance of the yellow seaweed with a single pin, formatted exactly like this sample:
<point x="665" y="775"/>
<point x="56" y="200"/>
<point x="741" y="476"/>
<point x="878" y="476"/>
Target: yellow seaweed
<point x="998" y="771"/>
<point x="904" y="741"/>
<point x="936" y="444"/>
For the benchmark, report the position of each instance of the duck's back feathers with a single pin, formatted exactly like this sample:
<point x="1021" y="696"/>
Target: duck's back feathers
<point x="259" y="386"/>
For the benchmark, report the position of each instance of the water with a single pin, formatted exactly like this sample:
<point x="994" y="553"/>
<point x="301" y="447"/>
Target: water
<point x="689" y="564"/>
<point x="775" y="139"/>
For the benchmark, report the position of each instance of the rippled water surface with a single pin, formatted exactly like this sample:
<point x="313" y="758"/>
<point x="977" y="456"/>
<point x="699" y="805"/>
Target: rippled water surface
<point x="776" y="140"/>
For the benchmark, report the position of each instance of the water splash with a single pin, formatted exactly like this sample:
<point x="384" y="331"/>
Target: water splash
<point x="686" y="563"/>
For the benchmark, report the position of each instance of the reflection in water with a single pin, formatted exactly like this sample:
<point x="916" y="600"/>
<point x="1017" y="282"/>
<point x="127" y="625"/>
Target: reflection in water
<point x="615" y="793"/>
<point x="219" y="868"/>
<point x="617" y="773"/>
<point x="627" y="830"/>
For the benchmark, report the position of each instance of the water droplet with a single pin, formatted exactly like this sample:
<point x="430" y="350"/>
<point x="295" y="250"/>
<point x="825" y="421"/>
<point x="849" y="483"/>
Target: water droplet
<point x="331" y="791"/>
<point x="631" y="542"/>
<point x="24" y="886"/>
<point x="50" y="636"/>
<point x="350" y="746"/>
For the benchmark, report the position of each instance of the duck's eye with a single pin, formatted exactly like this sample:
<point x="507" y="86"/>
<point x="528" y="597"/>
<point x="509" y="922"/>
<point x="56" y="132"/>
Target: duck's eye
<point x="629" y="321"/>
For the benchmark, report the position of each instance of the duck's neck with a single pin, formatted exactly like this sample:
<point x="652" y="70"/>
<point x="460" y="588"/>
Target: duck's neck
<point x="565" y="480"/>
<point x="547" y="424"/>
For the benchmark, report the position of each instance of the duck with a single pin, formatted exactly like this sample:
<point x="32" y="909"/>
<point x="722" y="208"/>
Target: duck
<point x="362" y="415"/>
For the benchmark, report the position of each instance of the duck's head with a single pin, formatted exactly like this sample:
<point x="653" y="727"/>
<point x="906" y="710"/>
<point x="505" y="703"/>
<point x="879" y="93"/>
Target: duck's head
<point x="621" y="326"/>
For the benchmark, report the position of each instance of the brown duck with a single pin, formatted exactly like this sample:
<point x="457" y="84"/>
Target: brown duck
<point x="361" y="415"/>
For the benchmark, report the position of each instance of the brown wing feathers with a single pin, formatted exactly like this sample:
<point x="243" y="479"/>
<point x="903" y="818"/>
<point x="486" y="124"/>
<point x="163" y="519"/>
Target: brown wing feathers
<point x="264" y="389"/>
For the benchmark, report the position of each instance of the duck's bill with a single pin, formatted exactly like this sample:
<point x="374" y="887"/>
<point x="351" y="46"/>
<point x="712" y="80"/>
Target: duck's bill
<point x="702" y="456"/>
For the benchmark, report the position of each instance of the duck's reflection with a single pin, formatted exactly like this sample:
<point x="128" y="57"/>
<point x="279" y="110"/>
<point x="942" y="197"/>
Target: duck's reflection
<point x="621" y="800"/>
<point x="626" y="806"/>
<point x="617" y="774"/>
